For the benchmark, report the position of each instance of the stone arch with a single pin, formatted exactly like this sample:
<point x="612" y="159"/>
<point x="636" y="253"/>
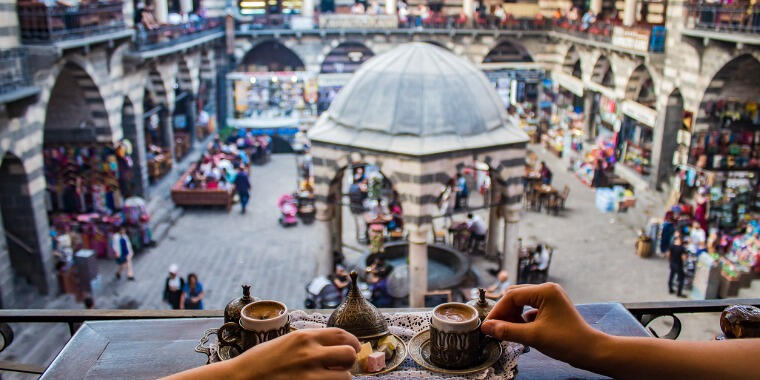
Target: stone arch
<point x="75" y="91"/>
<point x="603" y="73"/>
<point x="437" y="43"/>
<point x="508" y="51"/>
<point x="346" y="57"/>
<point x="640" y="87"/>
<point x="20" y="249"/>
<point x="271" y="55"/>
<point x="184" y="79"/>
<point x="571" y="63"/>
<point x="731" y="81"/>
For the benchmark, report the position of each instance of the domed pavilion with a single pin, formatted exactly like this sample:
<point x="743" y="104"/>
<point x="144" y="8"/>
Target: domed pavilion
<point x="421" y="114"/>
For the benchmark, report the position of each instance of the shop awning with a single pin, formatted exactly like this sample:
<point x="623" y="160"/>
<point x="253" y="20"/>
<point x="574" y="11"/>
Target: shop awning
<point x="569" y="82"/>
<point x="265" y="123"/>
<point x="639" y="112"/>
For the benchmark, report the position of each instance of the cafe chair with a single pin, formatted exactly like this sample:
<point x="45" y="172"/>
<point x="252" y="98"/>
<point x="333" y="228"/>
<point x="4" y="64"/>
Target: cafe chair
<point x="397" y="234"/>
<point x="563" y="196"/>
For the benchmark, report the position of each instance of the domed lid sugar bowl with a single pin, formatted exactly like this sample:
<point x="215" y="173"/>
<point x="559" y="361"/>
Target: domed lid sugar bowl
<point x="357" y="316"/>
<point x="482" y="304"/>
<point x="233" y="308"/>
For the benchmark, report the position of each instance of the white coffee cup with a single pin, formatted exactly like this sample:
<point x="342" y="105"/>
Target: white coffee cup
<point x="467" y="318"/>
<point x="249" y="322"/>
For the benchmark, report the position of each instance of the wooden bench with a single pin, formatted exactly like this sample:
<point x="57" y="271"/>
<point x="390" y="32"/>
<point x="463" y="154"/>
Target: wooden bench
<point x="182" y="196"/>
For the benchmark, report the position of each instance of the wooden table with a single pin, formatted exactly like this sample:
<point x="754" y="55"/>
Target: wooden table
<point x="148" y="349"/>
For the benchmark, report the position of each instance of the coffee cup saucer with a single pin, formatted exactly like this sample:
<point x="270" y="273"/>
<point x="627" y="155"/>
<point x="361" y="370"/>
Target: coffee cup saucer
<point x="399" y="356"/>
<point x="215" y="351"/>
<point x="419" y="350"/>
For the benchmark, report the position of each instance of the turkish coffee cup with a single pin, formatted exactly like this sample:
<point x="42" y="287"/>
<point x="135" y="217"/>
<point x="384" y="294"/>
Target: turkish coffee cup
<point x="455" y="337"/>
<point x="260" y="322"/>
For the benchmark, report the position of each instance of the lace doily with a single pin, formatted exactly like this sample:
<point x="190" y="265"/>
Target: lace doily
<point x="406" y="325"/>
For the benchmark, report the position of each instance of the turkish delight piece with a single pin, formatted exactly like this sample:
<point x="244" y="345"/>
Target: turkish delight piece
<point x="365" y="351"/>
<point x="388" y="340"/>
<point x="375" y="361"/>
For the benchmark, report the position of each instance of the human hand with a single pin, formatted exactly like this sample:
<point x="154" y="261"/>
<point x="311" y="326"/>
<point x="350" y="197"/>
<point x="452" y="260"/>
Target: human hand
<point x="554" y="327"/>
<point x="304" y="354"/>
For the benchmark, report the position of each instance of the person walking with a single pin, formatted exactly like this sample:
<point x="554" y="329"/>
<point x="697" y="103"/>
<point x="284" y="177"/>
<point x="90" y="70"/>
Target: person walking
<point x="463" y="191"/>
<point x="122" y="248"/>
<point x="243" y="187"/>
<point x="676" y="256"/>
<point x="192" y="294"/>
<point x="173" y="287"/>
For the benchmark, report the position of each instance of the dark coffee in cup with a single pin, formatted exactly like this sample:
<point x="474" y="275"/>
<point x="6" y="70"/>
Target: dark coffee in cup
<point x="454" y="313"/>
<point x="263" y="310"/>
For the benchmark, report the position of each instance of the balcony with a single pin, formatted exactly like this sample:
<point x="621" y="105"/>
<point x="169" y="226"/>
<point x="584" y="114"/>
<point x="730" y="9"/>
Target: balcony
<point x="67" y="27"/>
<point x="168" y="39"/>
<point x="739" y="23"/>
<point x="15" y="83"/>
<point x="126" y="342"/>
<point x="640" y="40"/>
<point x="436" y="23"/>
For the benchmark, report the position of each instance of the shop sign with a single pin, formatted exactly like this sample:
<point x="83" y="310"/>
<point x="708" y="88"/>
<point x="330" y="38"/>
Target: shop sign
<point x="334" y="80"/>
<point x="629" y="38"/>
<point x="639" y="112"/>
<point x="569" y="82"/>
<point x="337" y="21"/>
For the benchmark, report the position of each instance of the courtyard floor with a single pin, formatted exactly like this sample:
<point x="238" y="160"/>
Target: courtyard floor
<point x="594" y="260"/>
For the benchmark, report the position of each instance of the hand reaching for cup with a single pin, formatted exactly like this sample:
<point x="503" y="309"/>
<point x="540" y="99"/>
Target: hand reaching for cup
<point x="304" y="354"/>
<point x="552" y="327"/>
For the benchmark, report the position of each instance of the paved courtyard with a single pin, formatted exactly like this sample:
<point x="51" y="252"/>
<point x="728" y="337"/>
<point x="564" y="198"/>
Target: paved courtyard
<point x="594" y="261"/>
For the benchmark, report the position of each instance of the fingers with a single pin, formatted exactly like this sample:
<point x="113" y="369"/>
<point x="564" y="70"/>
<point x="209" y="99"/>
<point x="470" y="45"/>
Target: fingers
<point x="510" y="306"/>
<point x="336" y="337"/>
<point x="513" y="332"/>
<point x="337" y="357"/>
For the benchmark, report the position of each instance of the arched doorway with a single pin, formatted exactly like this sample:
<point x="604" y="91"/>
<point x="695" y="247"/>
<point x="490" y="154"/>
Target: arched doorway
<point x="602" y="114"/>
<point x="19" y="226"/>
<point x="271" y="56"/>
<point x="508" y="51"/>
<point x="156" y="124"/>
<point x="346" y="58"/>
<point x="183" y="116"/>
<point x="75" y="111"/>
<point x="132" y="182"/>
<point x="725" y="142"/>
<point x="635" y="148"/>
<point x="669" y="142"/>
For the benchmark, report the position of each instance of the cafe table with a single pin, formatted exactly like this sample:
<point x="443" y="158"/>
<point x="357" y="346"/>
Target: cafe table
<point x="152" y="348"/>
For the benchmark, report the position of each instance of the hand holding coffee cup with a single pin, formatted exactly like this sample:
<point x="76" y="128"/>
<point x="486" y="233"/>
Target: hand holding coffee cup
<point x="260" y="321"/>
<point x="455" y="337"/>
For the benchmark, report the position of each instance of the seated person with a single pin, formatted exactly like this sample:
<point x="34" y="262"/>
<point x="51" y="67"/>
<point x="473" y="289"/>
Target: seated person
<point x="377" y="278"/>
<point x="540" y="259"/>
<point x="477" y="227"/>
<point x="553" y="326"/>
<point x="340" y="278"/>
<point x="498" y="288"/>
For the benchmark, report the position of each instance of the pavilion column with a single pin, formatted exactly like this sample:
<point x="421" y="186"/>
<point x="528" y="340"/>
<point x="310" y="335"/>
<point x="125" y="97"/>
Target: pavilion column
<point x="161" y="11"/>
<point x="492" y="242"/>
<point x="468" y="11"/>
<point x="390" y="7"/>
<point x="588" y="118"/>
<point x="307" y="9"/>
<point x="323" y="247"/>
<point x="418" y="265"/>
<point x="629" y="13"/>
<point x="596" y="6"/>
<point x="510" y="254"/>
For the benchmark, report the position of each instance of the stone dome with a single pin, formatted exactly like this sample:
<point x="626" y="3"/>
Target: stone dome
<point x="417" y="99"/>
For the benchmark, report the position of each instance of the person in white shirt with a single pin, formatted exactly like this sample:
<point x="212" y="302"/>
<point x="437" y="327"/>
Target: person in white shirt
<point x="478" y="230"/>
<point x="697" y="237"/>
<point x="122" y="249"/>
